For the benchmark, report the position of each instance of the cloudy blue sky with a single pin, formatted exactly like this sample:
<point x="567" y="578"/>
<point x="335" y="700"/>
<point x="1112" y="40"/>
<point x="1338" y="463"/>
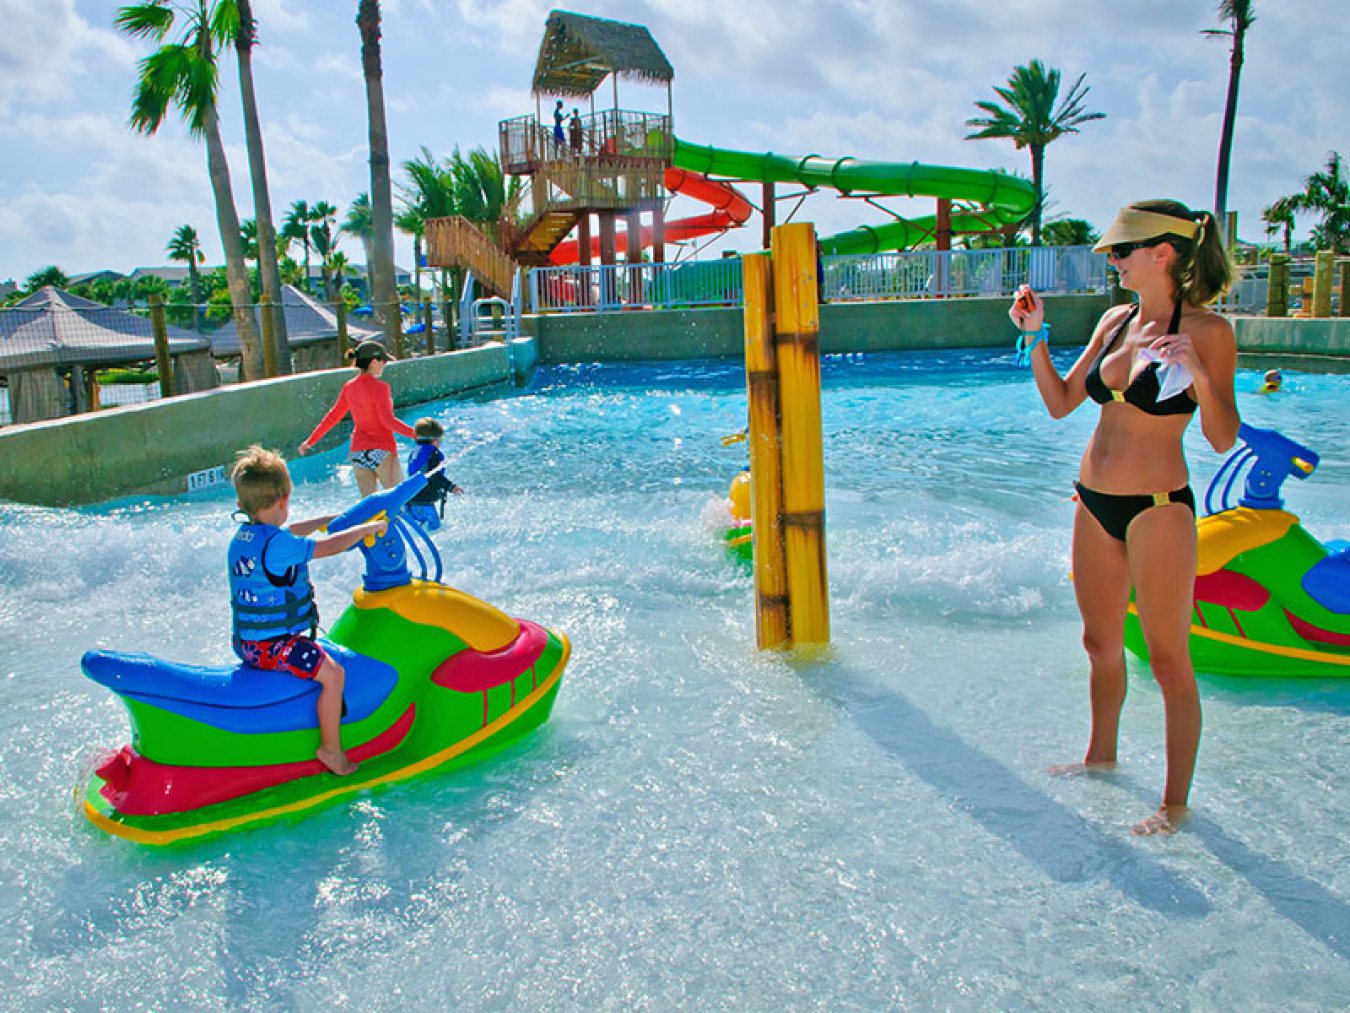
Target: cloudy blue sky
<point x="877" y="79"/>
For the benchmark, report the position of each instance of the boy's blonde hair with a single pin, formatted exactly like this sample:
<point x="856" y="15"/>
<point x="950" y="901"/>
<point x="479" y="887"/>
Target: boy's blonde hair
<point x="260" y="478"/>
<point x="427" y="428"/>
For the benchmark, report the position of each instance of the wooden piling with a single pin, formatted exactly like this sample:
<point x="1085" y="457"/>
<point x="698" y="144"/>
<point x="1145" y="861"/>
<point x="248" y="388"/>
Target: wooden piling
<point x="1277" y="286"/>
<point x="797" y="353"/>
<point x="772" y="630"/>
<point x="1324" y="266"/>
<point x="344" y="341"/>
<point x="160" y="329"/>
<point x="269" y="335"/>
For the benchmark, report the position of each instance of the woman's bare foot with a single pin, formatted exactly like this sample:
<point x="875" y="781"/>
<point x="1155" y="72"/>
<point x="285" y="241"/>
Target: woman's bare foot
<point x="1167" y="820"/>
<point x="336" y="760"/>
<point x="1078" y="769"/>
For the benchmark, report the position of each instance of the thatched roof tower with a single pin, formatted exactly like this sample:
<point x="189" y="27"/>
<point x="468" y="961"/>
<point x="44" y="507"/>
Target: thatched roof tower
<point x="578" y="52"/>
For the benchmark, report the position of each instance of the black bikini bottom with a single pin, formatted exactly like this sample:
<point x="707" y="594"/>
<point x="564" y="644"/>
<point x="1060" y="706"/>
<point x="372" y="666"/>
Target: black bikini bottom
<point x="1114" y="513"/>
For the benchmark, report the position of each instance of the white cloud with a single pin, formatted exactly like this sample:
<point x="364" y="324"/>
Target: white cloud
<point x="45" y="51"/>
<point x="340" y="64"/>
<point x="94" y="232"/>
<point x="282" y="17"/>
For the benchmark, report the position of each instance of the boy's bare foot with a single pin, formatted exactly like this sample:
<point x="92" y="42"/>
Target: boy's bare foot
<point x="1078" y="769"/>
<point x="1167" y="820"/>
<point x="336" y="760"/>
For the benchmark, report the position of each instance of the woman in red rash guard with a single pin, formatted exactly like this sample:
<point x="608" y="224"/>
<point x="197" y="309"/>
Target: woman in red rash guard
<point x="374" y="456"/>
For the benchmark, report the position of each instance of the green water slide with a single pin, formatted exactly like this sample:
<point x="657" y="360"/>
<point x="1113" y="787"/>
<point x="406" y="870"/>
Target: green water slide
<point x="1004" y="199"/>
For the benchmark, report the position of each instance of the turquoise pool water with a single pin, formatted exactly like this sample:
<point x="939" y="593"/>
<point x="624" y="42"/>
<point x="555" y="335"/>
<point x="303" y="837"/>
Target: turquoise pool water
<point x="701" y="826"/>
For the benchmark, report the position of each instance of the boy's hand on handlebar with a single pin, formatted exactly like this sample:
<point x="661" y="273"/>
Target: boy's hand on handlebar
<point x="1027" y="311"/>
<point x="305" y="448"/>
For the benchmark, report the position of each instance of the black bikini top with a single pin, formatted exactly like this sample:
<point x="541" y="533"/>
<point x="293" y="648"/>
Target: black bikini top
<point x="1143" y="389"/>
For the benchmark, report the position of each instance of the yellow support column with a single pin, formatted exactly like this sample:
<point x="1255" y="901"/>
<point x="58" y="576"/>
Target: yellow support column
<point x="1324" y="266"/>
<point x="766" y="475"/>
<point x="797" y="347"/>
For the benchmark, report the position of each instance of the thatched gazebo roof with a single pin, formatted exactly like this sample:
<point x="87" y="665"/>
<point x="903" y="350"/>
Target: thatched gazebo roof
<point x="578" y="52"/>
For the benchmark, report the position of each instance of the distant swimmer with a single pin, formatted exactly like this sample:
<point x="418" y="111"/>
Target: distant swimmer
<point x="1272" y="382"/>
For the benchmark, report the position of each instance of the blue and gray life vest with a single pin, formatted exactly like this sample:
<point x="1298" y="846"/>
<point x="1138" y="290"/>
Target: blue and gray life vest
<point x="266" y="605"/>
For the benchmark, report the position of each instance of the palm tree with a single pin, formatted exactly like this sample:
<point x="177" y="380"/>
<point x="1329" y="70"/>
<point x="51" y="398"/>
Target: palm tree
<point x="239" y="26"/>
<point x="184" y="74"/>
<point x="337" y="266"/>
<point x="187" y="247"/>
<point x="1280" y="217"/>
<point x="384" y="294"/>
<point x="51" y="275"/>
<point x="411" y="222"/>
<point x="295" y="229"/>
<point x="357" y="222"/>
<point x="1327" y="193"/>
<point x="1030" y="118"/>
<point x="430" y="192"/>
<point x="1070" y="232"/>
<point x="321" y="236"/>
<point x="248" y="235"/>
<point x="1239" y="17"/>
<point x="291" y="272"/>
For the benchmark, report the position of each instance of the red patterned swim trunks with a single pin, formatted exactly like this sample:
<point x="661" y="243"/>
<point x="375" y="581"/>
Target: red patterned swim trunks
<point x="296" y="654"/>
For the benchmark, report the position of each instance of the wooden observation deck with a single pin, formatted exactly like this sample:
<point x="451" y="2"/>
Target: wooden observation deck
<point x="607" y="163"/>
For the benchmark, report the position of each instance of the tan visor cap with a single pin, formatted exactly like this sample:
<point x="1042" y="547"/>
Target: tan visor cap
<point x="1134" y="226"/>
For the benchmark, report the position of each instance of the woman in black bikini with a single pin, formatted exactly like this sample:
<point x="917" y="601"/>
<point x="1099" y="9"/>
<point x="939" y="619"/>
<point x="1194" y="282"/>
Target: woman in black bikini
<point x="1135" y="522"/>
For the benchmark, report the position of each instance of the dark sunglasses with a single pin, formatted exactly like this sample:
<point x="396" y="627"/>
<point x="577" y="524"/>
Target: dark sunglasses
<point x="1122" y="250"/>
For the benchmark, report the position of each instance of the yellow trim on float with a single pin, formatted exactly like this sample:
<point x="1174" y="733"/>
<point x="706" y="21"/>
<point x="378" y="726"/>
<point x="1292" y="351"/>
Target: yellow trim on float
<point x="1261" y="647"/>
<point x="143" y="836"/>
<point x="480" y="625"/>
<point x="1224" y="536"/>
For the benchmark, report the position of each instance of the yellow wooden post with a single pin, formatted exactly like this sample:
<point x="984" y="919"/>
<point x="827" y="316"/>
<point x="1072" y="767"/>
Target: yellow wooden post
<point x="1324" y="265"/>
<point x="766" y="474"/>
<point x="159" y="328"/>
<point x="343" y="340"/>
<point x="797" y="347"/>
<point x="269" y="335"/>
<point x="1277" y="288"/>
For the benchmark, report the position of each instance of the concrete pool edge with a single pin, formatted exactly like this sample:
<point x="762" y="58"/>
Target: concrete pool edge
<point x="184" y="443"/>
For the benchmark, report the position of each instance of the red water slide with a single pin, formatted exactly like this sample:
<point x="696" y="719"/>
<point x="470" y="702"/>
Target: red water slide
<point x="730" y="210"/>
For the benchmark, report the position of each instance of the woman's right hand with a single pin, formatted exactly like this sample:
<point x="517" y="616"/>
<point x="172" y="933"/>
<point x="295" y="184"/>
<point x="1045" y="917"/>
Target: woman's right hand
<point x="1027" y="311"/>
<point x="304" y="449"/>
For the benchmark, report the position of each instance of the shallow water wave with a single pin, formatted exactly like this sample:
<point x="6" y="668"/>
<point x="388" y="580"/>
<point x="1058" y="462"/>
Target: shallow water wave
<point x="702" y="825"/>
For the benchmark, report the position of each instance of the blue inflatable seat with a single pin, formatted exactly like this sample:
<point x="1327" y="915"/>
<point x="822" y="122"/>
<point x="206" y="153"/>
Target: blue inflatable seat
<point x="1327" y="582"/>
<point x="241" y="698"/>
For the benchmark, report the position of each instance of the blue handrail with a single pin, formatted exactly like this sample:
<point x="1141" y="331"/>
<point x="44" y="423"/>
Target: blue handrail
<point x="387" y="558"/>
<point x="1273" y="457"/>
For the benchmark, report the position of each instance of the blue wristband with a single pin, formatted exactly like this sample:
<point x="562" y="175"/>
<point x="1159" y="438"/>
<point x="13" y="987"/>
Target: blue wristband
<point x="1026" y="341"/>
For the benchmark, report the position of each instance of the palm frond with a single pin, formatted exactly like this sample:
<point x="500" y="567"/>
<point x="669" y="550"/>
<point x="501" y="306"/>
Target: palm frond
<point x="159" y="83"/>
<point x="150" y="20"/>
<point x="225" y="24"/>
<point x="197" y="95"/>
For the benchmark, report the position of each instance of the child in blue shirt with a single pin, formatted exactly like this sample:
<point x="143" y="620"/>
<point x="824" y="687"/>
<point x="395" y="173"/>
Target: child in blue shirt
<point x="428" y="506"/>
<point x="271" y="597"/>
